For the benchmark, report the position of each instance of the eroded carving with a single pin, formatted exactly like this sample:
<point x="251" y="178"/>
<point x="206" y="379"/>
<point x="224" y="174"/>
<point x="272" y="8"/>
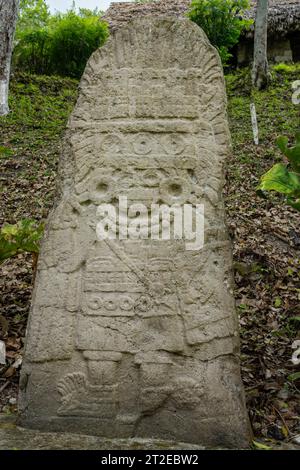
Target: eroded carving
<point x="139" y="337"/>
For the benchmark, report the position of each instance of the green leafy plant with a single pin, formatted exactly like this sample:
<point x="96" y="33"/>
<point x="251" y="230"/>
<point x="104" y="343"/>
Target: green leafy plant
<point x="294" y="377"/>
<point x="285" y="178"/>
<point x="57" y="44"/>
<point x="33" y="14"/>
<point x="23" y="237"/>
<point x="222" y="21"/>
<point x="73" y="39"/>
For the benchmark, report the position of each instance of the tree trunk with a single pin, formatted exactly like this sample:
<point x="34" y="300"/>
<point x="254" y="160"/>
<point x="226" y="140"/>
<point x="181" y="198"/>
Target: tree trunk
<point x="260" y="71"/>
<point x="8" y="19"/>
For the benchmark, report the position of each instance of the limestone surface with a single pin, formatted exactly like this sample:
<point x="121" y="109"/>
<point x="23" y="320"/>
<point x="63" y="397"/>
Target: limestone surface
<point x="138" y="338"/>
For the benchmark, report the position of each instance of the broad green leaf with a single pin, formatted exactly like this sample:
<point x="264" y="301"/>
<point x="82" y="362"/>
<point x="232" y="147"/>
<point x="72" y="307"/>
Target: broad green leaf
<point x="279" y="179"/>
<point x="294" y="377"/>
<point x="282" y="144"/>
<point x="292" y="153"/>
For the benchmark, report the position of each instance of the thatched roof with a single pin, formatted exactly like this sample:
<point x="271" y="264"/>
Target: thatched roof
<point x="283" y="19"/>
<point x="284" y="15"/>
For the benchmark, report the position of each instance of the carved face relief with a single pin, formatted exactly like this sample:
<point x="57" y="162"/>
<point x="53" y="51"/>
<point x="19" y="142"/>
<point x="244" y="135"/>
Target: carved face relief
<point x="137" y="337"/>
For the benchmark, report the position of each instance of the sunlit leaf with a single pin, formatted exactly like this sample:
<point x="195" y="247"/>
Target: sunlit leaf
<point x="19" y="238"/>
<point x="279" y="179"/>
<point x="259" y="445"/>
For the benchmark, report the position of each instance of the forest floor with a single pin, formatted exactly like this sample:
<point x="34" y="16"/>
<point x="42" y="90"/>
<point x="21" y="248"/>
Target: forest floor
<point x="265" y="235"/>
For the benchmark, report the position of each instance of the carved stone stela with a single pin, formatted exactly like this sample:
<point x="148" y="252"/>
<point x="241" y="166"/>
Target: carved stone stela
<point x="139" y="338"/>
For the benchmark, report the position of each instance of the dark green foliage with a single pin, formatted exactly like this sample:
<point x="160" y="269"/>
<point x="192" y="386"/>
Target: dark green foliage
<point x="222" y="21"/>
<point x="59" y="44"/>
<point x="72" y="41"/>
<point x="32" y="54"/>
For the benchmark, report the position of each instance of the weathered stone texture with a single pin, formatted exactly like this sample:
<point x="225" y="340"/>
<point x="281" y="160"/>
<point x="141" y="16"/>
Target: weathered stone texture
<point x="139" y="338"/>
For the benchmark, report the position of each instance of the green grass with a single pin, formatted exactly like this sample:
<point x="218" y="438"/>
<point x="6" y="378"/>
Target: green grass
<point x="276" y="113"/>
<point x="30" y="139"/>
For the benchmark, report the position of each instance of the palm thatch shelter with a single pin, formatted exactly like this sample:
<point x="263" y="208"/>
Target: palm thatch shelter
<point x="283" y="25"/>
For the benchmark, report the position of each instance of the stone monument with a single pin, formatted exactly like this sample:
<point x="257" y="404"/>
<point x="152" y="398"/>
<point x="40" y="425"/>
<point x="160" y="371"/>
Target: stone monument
<point x="138" y="337"/>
